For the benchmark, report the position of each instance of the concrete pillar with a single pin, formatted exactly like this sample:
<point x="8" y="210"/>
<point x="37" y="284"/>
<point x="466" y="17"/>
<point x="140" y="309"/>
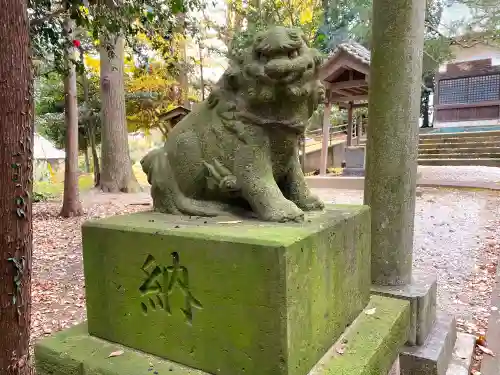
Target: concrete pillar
<point x="326" y="137"/>
<point x="302" y="148"/>
<point x="394" y="100"/>
<point x="359" y="131"/>
<point x="349" y="124"/>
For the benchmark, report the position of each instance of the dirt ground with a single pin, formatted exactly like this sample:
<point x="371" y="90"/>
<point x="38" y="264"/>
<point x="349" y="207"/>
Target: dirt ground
<point x="457" y="236"/>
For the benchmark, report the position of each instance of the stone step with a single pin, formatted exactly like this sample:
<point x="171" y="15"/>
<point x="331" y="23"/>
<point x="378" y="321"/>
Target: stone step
<point x="435" y="355"/>
<point x="421" y="293"/>
<point x="434" y="136"/>
<point x="468" y="155"/>
<point x="462" y="355"/>
<point x="464" y="150"/>
<point x="423" y="146"/>
<point x="452" y="138"/>
<point x="462" y="143"/>
<point x="370" y="345"/>
<point x="481" y="161"/>
<point x="75" y="352"/>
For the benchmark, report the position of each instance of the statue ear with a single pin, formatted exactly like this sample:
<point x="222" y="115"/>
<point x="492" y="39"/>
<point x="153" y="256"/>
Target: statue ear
<point x="231" y="78"/>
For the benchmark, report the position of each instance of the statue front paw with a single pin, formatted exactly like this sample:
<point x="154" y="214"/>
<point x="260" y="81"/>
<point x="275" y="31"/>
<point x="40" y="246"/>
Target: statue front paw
<point x="283" y="212"/>
<point x="311" y="203"/>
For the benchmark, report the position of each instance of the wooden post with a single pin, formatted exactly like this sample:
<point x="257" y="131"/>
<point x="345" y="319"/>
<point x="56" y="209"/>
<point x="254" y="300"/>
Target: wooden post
<point x="359" y="131"/>
<point x="349" y="124"/>
<point x="326" y="137"/>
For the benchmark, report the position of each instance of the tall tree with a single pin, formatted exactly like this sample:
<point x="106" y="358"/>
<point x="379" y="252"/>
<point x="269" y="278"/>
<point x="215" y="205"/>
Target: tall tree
<point x="16" y="188"/>
<point x="116" y="173"/>
<point x="485" y="19"/>
<point x="71" y="200"/>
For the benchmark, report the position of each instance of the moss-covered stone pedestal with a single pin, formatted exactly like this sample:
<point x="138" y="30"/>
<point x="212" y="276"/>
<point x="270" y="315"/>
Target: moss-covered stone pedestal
<point x="190" y="295"/>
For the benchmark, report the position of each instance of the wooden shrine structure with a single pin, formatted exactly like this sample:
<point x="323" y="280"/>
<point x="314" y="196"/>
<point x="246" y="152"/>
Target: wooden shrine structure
<point x="346" y="78"/>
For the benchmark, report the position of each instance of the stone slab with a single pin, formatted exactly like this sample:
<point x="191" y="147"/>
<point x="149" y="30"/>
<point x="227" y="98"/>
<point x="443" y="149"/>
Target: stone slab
<point x="228" y="296"/>
<point x="370" y="346"/>
<point x="355" y="157"/>
<point x="462" y="355"/>
<point x="75" y="352"/>
<point x="491" y="365"/>
<point x="422" y="296"/>
<point x="359" y="172"/>
<point x="395" y="369"/>
<point x="434" y="356"/>
<point x="330" y="182"/>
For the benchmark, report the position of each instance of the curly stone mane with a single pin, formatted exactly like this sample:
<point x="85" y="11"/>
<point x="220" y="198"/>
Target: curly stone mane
<point x="277" y="70"/>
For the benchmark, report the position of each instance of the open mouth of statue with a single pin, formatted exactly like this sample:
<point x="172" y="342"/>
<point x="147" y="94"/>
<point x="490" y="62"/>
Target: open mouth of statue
<point x="284" y="77"/>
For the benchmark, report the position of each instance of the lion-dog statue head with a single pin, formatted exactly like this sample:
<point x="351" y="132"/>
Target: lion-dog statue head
<point x="275" y="80"/>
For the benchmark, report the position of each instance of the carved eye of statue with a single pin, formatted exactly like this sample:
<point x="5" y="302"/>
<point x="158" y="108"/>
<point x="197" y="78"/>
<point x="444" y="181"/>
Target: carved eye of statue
<point x="293" y="54"/>
<point x="262" y="57"/>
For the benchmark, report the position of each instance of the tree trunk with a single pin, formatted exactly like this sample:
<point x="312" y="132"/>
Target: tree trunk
<point x="117" y="174"/>
<point x="95" y="157"/>
<point x="202" y="80"/>
<point x="90" y="126"/>
<point x="71" y="200"/>
<point x="87" y="119"/>
<point x="87" y="158"/>
<point x="16" y="187"/>
<point x="183" y="69"/>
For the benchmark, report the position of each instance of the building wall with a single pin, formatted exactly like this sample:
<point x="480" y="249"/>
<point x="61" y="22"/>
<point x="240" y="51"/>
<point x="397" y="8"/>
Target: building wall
<point x="483" y="60"/>
<point x="477" y="52"/>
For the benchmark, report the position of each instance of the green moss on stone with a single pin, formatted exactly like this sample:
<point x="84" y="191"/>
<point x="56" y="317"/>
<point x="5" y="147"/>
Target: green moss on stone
<point x="75" y="352"/>
<point x="268" y="298"/>
<point x="372" y="343"/>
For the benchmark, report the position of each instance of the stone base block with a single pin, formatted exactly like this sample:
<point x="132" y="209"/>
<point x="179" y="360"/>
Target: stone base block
<point x="370" y="346"/>
<point x="462" y="355"/>
<point x="75" y="352"/>
<point x="434" y="356"/>
<point x="422" y="296"/>
<point x="228" y="295"/>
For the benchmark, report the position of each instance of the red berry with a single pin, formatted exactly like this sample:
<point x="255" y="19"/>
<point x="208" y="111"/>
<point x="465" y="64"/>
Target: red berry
<point x="76" y="43"/>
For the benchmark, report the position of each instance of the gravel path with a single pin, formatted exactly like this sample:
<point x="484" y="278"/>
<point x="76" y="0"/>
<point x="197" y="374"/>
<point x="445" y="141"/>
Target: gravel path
<point x="468" y="175"/>
<point x="457" y="237"/>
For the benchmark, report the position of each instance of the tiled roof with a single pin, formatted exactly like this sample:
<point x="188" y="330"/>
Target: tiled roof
<point x="355" y="50"/>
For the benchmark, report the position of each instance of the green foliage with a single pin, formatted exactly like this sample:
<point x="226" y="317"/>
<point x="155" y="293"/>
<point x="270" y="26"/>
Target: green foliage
<point x="52" y="189"/>
<point x="101" y="19"/>
<point x="342" y="20"/>
<point x="49" y="109"/>
<point x="485" y="20"/>
<point x="303" y="14"/>
<point x="41" y="196"/>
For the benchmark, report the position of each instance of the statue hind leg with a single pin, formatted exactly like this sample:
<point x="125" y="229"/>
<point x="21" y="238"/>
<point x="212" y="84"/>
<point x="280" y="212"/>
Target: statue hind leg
<point x="187" y="165"/>
<point x="165" y="191"/>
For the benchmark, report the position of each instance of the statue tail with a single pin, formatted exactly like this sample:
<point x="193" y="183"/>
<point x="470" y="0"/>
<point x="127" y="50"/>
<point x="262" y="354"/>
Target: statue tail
<point x="148" y="162"/>
<point x="167" y="197"/>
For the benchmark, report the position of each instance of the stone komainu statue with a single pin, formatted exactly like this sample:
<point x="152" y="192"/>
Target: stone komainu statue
<point x="239" y="148"/>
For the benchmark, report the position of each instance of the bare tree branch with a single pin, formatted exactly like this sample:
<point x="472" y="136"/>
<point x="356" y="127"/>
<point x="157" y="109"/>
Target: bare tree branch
<point x="47" y="17"/>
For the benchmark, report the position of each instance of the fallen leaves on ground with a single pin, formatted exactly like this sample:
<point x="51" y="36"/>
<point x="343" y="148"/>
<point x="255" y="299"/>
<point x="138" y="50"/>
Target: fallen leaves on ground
<point x="371" y="311"/>
<point x="116" y="354"/>
<point x="58" y="293"/>
<point x="486" y="350"/>
<point x="478" y="295"/>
